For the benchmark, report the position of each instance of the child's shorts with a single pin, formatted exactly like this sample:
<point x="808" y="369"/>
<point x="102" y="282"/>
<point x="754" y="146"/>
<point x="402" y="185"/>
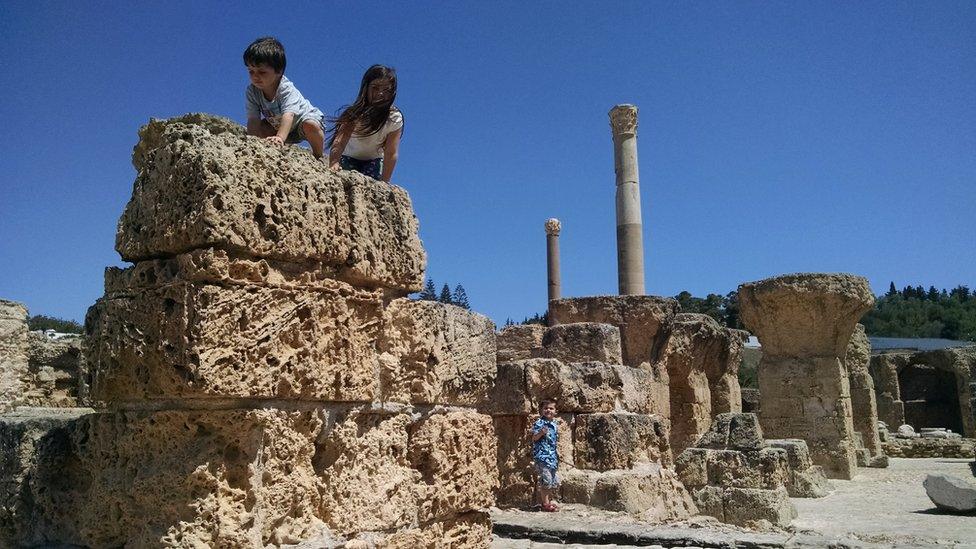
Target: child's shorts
<point x="372" y="168"/>
<point x="297" y="134"/>
<point x="547" y="476"/>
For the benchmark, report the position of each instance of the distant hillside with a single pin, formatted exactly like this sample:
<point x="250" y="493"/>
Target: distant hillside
<point x="917" y="312"/>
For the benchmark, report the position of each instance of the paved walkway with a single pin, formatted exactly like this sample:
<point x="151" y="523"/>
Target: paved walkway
<point x="878" y="508"/>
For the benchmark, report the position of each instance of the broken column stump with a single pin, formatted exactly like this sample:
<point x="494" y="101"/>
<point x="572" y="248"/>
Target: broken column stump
<point x="863" y="404"/>
<point x="804" y="323"/>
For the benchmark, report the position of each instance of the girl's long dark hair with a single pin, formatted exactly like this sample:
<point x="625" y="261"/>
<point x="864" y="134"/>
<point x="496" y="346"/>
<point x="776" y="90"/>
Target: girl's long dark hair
<point x="366" y="119"/>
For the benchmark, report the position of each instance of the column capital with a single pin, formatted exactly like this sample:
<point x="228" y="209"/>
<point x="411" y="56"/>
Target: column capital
<point x="553" y="226"/>
<point x="623" y="120"/>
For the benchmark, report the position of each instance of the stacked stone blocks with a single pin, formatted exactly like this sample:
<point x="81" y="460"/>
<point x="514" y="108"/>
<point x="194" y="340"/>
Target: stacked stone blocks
<point x="263" y="383"/>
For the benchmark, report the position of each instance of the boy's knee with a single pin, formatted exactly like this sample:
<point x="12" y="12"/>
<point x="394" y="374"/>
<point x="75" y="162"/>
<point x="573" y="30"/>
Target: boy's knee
<point x="311" y="127"/>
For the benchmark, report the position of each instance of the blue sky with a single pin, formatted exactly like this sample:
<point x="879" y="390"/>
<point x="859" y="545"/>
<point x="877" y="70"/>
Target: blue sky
<point x="774" y="137"/>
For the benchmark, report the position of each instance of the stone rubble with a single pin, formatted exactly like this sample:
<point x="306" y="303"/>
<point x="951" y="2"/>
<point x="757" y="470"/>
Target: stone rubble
<point x="951" y="494"/>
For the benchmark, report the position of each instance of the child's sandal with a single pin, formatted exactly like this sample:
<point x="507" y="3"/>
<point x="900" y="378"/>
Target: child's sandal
<point x="550" y="508"/>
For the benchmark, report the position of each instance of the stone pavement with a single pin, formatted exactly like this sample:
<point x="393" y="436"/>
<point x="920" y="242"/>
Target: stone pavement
<point x="877" y="508"/>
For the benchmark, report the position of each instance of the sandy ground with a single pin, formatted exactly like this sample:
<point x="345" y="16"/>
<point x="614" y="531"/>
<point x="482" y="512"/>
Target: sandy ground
<point x="889" y="505"/>
<point x="878" y="508"/>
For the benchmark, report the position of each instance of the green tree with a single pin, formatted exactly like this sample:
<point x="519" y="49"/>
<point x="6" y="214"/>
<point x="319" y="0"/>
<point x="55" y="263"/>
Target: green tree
<point x="460" y="297"/>
<point x="445" y="296"/>
<point x="42" y="322"/>
<point x="429" y="293"/>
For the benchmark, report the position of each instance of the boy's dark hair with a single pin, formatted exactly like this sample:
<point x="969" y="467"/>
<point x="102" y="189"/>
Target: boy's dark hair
<point x="545" y="402"/>
<point x="266" y="50"/>
<point x="365" y="118"/>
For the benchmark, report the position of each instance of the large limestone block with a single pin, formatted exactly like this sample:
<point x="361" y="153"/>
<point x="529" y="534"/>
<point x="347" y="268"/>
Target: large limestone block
<point x="864" y="409"/>
<point x="519" y="342"/>
<point x="644" y="390"/>
<point x="648" y="490"/>
<point x="582" y="342"/>
<point x="21" y="435"/>
<point x="13" y="352"/>
<point x="191" y="340"/>
<point x="455" y="452"/>
<point x="186" y="479"/>
<point x="57" y="373"/>
<point x="433" y="353"/>
<point x="745" y="506"/>
<point x="202" y="184"/>
<point x="805" y="479"/>
<point x="809" y="314"/>
<point x="581" y="387"/>
<point x="733" y="431"/>
<point x="509" y="393"/>
<point x="368" y="482"/>
<point x="619" y="441"/>
<point x="766" y="468"/>
<point x="642" y="320"/>
<point x="950" y="493"/>
<point x="887" y="390"/>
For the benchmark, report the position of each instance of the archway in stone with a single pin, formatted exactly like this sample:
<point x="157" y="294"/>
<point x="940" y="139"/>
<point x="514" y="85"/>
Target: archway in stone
<point x="931" y="397"/>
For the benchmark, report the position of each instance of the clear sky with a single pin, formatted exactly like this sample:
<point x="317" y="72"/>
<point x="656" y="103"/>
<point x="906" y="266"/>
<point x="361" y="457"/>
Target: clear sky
<point x="774" y="137"/>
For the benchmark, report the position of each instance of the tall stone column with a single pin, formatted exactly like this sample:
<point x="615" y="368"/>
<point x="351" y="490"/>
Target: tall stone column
<point x="630" y="242"/>
<point x="552" y="258"/>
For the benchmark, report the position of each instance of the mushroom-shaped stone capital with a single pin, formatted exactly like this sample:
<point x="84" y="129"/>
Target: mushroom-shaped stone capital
<point x="553" y="226"/>
<point x="623" y="120"/>
<point x="805" y="315"/>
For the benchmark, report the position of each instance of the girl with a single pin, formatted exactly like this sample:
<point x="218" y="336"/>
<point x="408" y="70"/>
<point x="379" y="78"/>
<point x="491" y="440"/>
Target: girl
<point x="366" y="136"/>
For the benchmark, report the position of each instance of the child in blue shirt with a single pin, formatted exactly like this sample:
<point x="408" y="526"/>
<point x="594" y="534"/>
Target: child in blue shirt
<point x="544" y="435"/>
<point x="276" y="110"/>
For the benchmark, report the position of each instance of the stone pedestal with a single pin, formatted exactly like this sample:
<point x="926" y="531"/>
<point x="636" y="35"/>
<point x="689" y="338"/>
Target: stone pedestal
<point x="804" y="323"/>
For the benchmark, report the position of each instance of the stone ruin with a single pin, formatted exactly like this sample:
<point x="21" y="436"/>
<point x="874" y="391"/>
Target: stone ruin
<point x="258" y="378"/>
<point x="864" y="410"/>
<point x="805" y="323"/>
<point x="740" y="478"/>
<point x="36" y="371"/>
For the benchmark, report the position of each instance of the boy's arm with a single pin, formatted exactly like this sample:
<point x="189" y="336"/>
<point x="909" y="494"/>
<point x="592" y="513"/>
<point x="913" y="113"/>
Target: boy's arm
<point x="391" y="151"/>
<point x="339" y="145"/>
<point x="287" y="120"/>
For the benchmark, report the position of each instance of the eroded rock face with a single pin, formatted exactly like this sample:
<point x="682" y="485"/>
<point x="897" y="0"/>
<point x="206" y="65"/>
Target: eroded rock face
<point x="582" y="342"/>
<point x="14" y="348"/>
<point x="57" y="373"/>
<point x="519" y="342"/>
<point x="702" y="358"/>
<point x="233" y="192"/>
<point x="431" y="352"/>
<point x="805" y="322"/>
<point x="619" y="441"/>
<point x="640" y="319"/>
<point x="863" y="407"/>
<point x="648" y="490"/>
<point x="736" y="477"/>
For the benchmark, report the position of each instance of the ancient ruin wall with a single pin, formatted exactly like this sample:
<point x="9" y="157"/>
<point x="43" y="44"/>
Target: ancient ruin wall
<point x="14" y="348"/>
<point x="804" y="323"/>
<point x="863" y="404"/>
<point x="254" y="366"/>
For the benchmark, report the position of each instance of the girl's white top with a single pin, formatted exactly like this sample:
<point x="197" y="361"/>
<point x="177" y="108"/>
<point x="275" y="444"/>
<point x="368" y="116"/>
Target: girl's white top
<point x="368" y="147"/>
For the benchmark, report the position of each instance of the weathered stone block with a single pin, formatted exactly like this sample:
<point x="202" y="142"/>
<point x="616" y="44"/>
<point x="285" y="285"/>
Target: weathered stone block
<point x="692" y="467"/>
<point x="640" y="318"/>
<point x="580" y="387"/>
<point x="709" y="500"/>
<point x="190" y="340"/>
<point x="519" y="342"/>
<point x="233" y="192"/>
<point x="743" y="506"/>
<point x="13" y="352"/>
<point x="733" y="431"/>
<point x="509" y="394"/>
<point x="433" y="353"/>
<point x="467" y="531"/>
<point x="644" y="390"/>
<point x="648" y="490"/>
<point x="57" y="374"/>
<point x="619" y="441"/>
<point x="582" y="342"/>
<point x="455" y="452"/>
<point x="516" y="472"/>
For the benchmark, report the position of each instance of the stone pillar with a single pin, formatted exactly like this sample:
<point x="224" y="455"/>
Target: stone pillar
<point x="630" y="243"/>
<point x="863" y="402"/>
<point x="552" y="258"/>
<point x="804" y="323"/>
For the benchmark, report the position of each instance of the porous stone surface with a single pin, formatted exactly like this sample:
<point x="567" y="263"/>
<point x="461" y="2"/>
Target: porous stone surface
<point x="919" y="447"/>
<point x="519" y="341"/>
<point x="582" y="342"/>
<point x="14" y="347"/>
<point x="804" y="479"/>
<point x="641" y="319"/>
<point x="887" y="391"/>
<point x="702" y="358"/>
<point x="57" y="373"/>
<point x="619" y="441"/>
<point x="431" y="352"/>
<point x="648" y="490"/>
<point x="644" y="390"/>
<point x="805" y="323"/>
<point x="951" y="493"/>
<point x="863" y="405"/>
<point x="193" y="340"/>
<point x="516" y="472"/>
<point x="732" y="466"/>
<point x="467" y="531"/>
<point x="582" y="387"/>
<point x="225" y="190"/>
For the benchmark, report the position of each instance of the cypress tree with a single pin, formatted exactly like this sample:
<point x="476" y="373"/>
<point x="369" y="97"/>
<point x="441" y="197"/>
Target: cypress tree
<point x="445" y="296"/>
<point x="429" y="293"/>
<point x="460" y="297"/>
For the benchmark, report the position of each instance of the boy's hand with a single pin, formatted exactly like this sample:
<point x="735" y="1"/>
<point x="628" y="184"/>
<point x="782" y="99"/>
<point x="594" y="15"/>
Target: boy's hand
<point x="335" y="166"/>
<point x="274" y="139"/>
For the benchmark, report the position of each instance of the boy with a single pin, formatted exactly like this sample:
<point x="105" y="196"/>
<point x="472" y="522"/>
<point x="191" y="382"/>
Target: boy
<point x="544" y="435"/>
<point x="275" y="108"/>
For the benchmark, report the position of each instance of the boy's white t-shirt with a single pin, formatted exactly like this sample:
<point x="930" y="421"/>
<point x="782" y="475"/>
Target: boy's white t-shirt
<point x="368" y="147"/>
